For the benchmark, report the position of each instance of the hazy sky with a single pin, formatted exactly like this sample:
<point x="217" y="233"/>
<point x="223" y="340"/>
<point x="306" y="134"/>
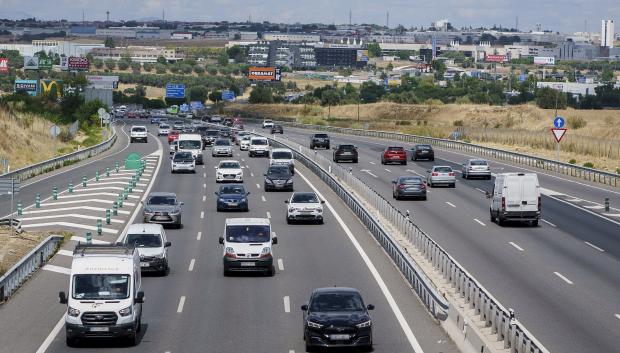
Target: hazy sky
<point x="564" y="16"/>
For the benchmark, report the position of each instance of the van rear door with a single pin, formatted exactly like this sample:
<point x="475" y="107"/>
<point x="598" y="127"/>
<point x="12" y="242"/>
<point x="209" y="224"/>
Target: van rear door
<point x="529" y="192"/>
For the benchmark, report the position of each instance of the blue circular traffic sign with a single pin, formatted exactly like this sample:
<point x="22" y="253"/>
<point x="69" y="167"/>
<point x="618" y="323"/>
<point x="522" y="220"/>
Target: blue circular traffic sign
<point x="558" y="122"/>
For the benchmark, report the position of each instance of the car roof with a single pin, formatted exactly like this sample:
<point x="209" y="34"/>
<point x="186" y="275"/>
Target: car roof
<point x="304" y="193"/>
<point x="138" y="126"/>
<point x="162" y="193"/>
<point x="247" y="221"/>
<point x="151" y="228"/>
<point x="229" y="161"/>
<point x="441" y="166"/>
<point x="336" y="290"/>
<point x="281" y="150"/>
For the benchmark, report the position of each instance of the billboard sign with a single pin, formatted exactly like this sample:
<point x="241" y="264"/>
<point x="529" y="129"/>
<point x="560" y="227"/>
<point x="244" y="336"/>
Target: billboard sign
<point x="175" y="90"/>
<point x="29" y="86"/>
<point x="31" y="63"/>
<point x="228" y="96"/>
<point x="77" y="63"/>
<point x="495" y="58"/>
<point x="45" y="63"/>
<point x="4" y="65"/>
<point x="362" y="55"/>
<point x="64" y="63"/>
<point x="48" y="85"/>
<point x="102" y="82"/>
<point x="264" y="74"/>
<point x="544" y="60"/>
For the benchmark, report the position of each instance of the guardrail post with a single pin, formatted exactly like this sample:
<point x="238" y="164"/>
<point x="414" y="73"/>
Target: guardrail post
<point x="115" y="208"/>
<point x="98" y="226"/>
<point x="20" y="210"/>
<point x="83" y="181"/>
<point x="89" y="238"/>
<point x="37" y="200"/>
<point x="607" y="204"/>
<point x="107" y="216"/>
<point x="70" y="187"/>
<point x="107" y="171"/>
<point x="55" y="193"/>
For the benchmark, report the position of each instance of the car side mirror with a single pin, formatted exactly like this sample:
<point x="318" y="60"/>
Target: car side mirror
<point x="304" y="307"/>
<point x="181" y="203"/>
<point x="221" y="240"/>
<point x="394" y="181"/>
<point x="265" y="174"/>
<point x="428" y="170"/>
<point x="322" y="201"/>
<point x="62" y="298"/>
<point x="217" y="193"/>
<point x="167" y="244"/>
<point x="285" y="201"/>
<point x="488" y="195"/>
<point x="171" y="157"/>
<point x="370" y="307"/>
<point x="140" y="297"/>
<point x="247" y="193"/>
<point x="274" y="240"/>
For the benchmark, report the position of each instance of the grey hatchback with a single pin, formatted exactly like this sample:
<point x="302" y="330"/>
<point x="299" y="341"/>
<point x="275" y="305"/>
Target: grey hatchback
<point x="162" y="208"/>
<point x="409" y="186"/>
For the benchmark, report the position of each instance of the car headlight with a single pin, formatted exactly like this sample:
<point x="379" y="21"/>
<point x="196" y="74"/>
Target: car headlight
<point x="125" y="312"/>
<point x="239" y="173"/>
<point x="293" y="209"/>
<point x="265" y="251"/>
<point x="364" y="324"/>
<point x="148" y="212"/>
<point x="268" y="181"/>
<point x="290" y="181"/>
<point x="221" y="200"/>
<point x="314" y="324"/>
<point x="319" y="210"/>
<point x="73" y="312"/>
<point x="174" y="212"/>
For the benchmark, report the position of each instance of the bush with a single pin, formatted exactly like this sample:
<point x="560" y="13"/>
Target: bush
<point x="617" y="170"/>
<point x="588" y="165"/>
<point x="457" y="123"/>
<point x="148" y="67"/>
<point x="576" y="122"/>
<point x="546" y="98"/>
<point x="572" y="161"/>
<point x="160" y="68"/>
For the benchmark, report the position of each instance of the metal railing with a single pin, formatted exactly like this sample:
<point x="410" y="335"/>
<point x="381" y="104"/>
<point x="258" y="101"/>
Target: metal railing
<point x="21" y="271"/>
<point x="590" y="174"/>
<point x="61" y="161"/>
<point x="358" y="196"/>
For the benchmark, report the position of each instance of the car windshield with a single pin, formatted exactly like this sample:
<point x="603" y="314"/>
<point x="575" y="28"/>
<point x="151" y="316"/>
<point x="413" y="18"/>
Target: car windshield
<point x="101" y="286"/>
<point x="279" y="170"/>
<point x="142" y="240"/>
<point x="326" y="302"/>
<point x="282" y="155"/>
<point x="183" y="157"/>
<point x="424" y="147"/>
<point x="395" y="149"/>
<point x="321" y="136"/>
<point x="259" y="142"/>
<point x="247" y="233"/>
<point x="222" y="143"/>
<point x="268" y="121"/>
<point x="162" y="200"/>
<point x="138" y="129"/>
<point x="304" y="198"/>
<point x="443" y="169"/>
<point x="164" y="126"/>
<point x="478" y="162"/>
<point x="211" y="133"/>
<point x="232" y="189"/>
<point x="347" y="147"/>
<point x="410" y="180"/>
<point x="229" y="165"/>
<point x="189" y="144"/>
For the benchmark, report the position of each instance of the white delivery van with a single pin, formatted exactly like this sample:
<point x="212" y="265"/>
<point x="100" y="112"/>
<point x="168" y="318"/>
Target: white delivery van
<point x="282" y="156"/>
<point x="515" y="197"/>
<point x="247" y="246"/>
<point x="259" y="146"/>
<point x="105" y="294"/>
<point x="191" y="143"/>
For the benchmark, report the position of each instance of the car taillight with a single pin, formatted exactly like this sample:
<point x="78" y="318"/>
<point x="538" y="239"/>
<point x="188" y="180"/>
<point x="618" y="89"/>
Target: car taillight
<point x="422" y="186"/>
<point x="503" y="204"/>
<point x="451" y="174"/>
<point x="434" y="174"/>
<point x="402" y="186"/>
<point x="539" y="203"/>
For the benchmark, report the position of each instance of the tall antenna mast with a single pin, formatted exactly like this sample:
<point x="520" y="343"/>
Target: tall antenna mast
<point x="350" y="23"/>
<point x="83" y="21"/>
<point x="517" y="24"/>
<point x="387" y="20"/>
<point x="107" y="16"/>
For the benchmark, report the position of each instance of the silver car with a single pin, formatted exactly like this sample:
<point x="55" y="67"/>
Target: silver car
<point x="441" y="174"/>
<point x="162" y="208"/>
<point x="222" y="147"/>
<point x="476" y="168"/>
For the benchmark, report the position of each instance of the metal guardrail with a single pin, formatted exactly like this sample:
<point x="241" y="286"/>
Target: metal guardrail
<point x="21" y="271"/>
<point x="61" y="161"/>
<point x="585" y="173"/>
<point x="514" y="335"/>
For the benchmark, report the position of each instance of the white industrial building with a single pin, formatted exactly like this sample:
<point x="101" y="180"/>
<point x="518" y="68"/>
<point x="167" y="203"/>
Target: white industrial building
<point x="60" y="47"/>
<point x="607" y="33"/>
<point x="291" y="37"/>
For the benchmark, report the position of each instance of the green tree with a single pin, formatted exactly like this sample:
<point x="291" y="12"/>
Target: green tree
<point x="123" y="64"/>
<point x="198" y="93"/>
<point x="199" y="69"/>
<point x="236" y="52"/>
<point x="371" y="92"/>
<point x="547" y="98"/>
<point x="440" y="68"/>
<point x="215" y="96"/>
<point x="222" y="59"/>
<point x="109" y="42"/>
<point x="162" y="60"/>
<point x="98" y="64"/>
<point x="261" y="94"/>
<point x="148" y="67"/>
<point x="110" y="64"/>
<point x="607" y="75"/>
<point x="374" y="50"/>
<point x="160" y="68"/>
<point x="136" y="66"/>
<point x="330" y="97"/>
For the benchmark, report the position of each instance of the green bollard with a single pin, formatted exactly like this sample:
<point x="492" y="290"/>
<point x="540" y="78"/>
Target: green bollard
<point x="126" y="194"/>
<point x="116" y="166"/>
<point x="70" y="187"/>
<point x="107" y="171"/>
<point x="89" y="238"/>
<point x="115" y="208"/>
<point x="55" y="193"/>
<point x="107" y="216"/>
<point x="97" y="176"/>
<point x="120" y="201"/>
<point x="37" y="201"/>
<point x="98" y="226"/>
<point x="130" y="190"/>
<point x="84" y="181"/>
<point x="20" y="210"/>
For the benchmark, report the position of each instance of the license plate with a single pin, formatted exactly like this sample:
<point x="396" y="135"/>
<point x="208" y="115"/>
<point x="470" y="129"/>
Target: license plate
<point x="161" y="218"/>
<point x="233" y="204"/>
<point x="144" y="264"/>
<point x="248" y="264"/>
<point x="99" y="329"/>
<point x="346" y="153"/>
<point x="339" y="337"/>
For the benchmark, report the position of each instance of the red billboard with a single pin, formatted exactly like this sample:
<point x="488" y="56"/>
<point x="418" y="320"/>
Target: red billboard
<point x="495" y="58"/>
<point x="264" y="74"/>
<point x="4" y="65"/>
<point x="77" y="63"/>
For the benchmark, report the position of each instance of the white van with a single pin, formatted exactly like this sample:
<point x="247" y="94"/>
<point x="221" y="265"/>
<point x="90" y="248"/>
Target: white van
<point x="152" y="245"/>
<point x="247" y="246"/>
<point x="282" y="156"/>
<point x="191" y="143"/>
<point x="515" y="197"/>
<point x="105" y="294"/>
<point x="259" y="146"/>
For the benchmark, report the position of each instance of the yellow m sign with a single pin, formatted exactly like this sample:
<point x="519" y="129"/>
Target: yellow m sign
<point x="46" y="86"/>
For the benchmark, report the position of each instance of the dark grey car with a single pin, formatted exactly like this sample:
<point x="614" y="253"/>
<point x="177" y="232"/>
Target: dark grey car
<point x="163" y="208"/>
<point x="409" y="186"/>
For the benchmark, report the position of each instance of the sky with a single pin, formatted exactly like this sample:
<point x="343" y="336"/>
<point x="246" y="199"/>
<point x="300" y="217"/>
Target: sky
<point x="564" y="16"/>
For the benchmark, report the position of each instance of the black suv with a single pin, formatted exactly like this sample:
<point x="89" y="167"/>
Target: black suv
<point x="319" y="140"/>
<point x="277" y="129"/>
<point x="345" y="153"/>
<point x="279" y="177"/>
<point x="209" y="136"/>
<point x="337" y="317"/>
<point x="422" y="152"/>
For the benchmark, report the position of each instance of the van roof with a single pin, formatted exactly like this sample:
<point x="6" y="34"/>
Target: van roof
<point x="247" y="221"/>
<point x="258" y="138"/>
<point x="103" y="264"/>
<point x="518" y="174"/>
<point x="281" y="150"/>
<point x="190" y="137"/>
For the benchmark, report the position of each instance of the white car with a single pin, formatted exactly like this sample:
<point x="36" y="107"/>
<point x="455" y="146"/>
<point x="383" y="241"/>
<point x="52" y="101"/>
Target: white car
<point x="138" y="133"/>
<point x="304" y="206"/>
<point x="267" y="123"/>
<point x="247" y="245"/>
<point x="240" y="135"/>
<point x="229" y="170"/>
<point x="244" y="143"/>
<point x="150" y="240"/>
<point x="282" y="156"/>
<point x="259" y="146"/>
<point x="222" y="147"/>
<point x="164" y="130"/>
<point x="174" y="146"/>
<point x="183" y="162"/>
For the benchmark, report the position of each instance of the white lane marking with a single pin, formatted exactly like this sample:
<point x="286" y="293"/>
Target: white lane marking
<point x="202" y="214"/>
<point x="594" y="246"/>
<point x="516" y="246"/>
<point x="78" y="239"/>
<point x="480" y="222"/>
<point x="373" y="163"/>
<point x="287" y="304"/>
<point x="181" y="304"/>
<point x="64" y="252"/>
<point x="291" y="351"/>
<point x="617" y="316"/>
<point x="70" y="225"/>
<point x="413" y="341"/>
<point x="71" y="215"/>
<point x="574" y="199"/>
<point x="280" y="265"/>
<point x="586" y="210"/>
<point x="204" y="186"/>
<point x="262" y="197"/>
<point x="450" y="203"/>
<point x="268" y="214"/>
<point x="57" y="269"/>
<point x="258" y="186"/>
<point x="199" y="236"/>
<point x="387" y="170"/>
<point x="416" y="173"/>
<point x="252" y="174"/>
<point x="204" y="198"/>
<point x="563" y="278"/>
<point x="191" y="265"/>
<point x="549" y="223"/>
<point x="50" y="338"/>
<point x="368" y="172"/>
<point x="107" y="202"/>
<point x="204" y="175"/>
<point x="482" y="191"/>
<point x="594" y="207"/>
<point x="242" y="160"/>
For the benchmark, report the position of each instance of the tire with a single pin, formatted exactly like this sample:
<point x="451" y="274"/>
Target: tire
<point x="463" y="176"/>
<point x="71" y="342"/>
<point x="165" y="271"/>
<point x="355" y="160"/>
<point x="219" y="209"/>
<point x="246" y="209"/>
<point x="146" y="140"/>
<point x="132" y="340"/>
<point x="535" y="223"/>
<point x="430" y="185"/>
<point x="453" y="185"/>
<point x="309" y="348"/>
<point x="500" y="221"/>
<point x="414" y="158"/>
<point x="311" y="147"/>
<point x="327" y="147"/>
<point x="432" y="159"/>
<point x="130" y="140"/>
<point x="289" y="221"/>
<point x="225" y="272"/>
<point x="272" y="271"/>
<point x="423" y="198"/>
<point x="491" y="215"/>
<point x="405" y="162"/>
<point x="321" y="221"/>
<point x="382" y="161"/>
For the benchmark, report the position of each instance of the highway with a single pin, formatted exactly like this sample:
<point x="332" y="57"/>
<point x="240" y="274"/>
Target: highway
<point x="196" y="309"/>
<point x="561" y="278"/>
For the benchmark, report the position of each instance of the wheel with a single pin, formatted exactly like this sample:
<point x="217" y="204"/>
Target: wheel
<point x="491" y="215"/>
<point x="311" y="147"/>
<point x="382" y="161"/>
<point x="71" y="342"/>
<point x="226" y="273"/>
<point x="130" y="140"/>
<point x="397" y="197"/>
<point x="309" y="348"/>
<point x="321" y="221"/>
<point x="219" y="209"/>
<point x="453" y="185"/>
<point x="172" y="171"/>
<point x="246" y="209"/>
<point x="327" y="147"/>
<point x="289" y="221"/>
<point x="414" y="158"/>
<point x="423" y="198"/>
<point x="355" y="160"/>
<point x="272" y="271"/>
<point x="430" y="185"/>
<point x="500" y="220"/>
<point x="535" y="223"/>
<point x="405" y="162"/>
<point x="432" y="159"/>
<point x="463" y="175"/>
<point x="132" y="340"/>
<point x="146" y="141"/>
<point x="194" y="171"/>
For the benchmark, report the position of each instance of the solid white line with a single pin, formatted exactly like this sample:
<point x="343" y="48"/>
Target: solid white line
<point x="594" y="246"/>
<point x="202" y="214"/>
<point x="450" y="203"/>
<point x="262" y="197"/>
<point x="181" y="304"/>
<point x="586" y="210"/>
<point x="268" y="214"/>
<point x="387" y="170"/>
<point x="70" y="225"/>
<point x="414" y="172"/>
<point x="57" y="269"/>
<point x="258" y="186"/>
<point x="482" y="191"/>
<point x="597" y="207"/>
<point x="204" y="175"/>
<point x="480" y="222"/>
<point x="50" y="338"/>
<point x="280" y="265"/>
<point x="287" y="304"/>
<point x="413" y="341"/>
<point x="191" y="265"/>
<point x="242" y="160"/>
<point x="199" y="236"/>
<point x="64" y="252"/>
<point x="291" y="351"/>
<point x="549" y="223"/>
<point x="71" y="215"/>
<point x="516" y="246"/>
<point x="563" y="278"/>
<point x="252" y="174"/>
<point x="94" y="241"/>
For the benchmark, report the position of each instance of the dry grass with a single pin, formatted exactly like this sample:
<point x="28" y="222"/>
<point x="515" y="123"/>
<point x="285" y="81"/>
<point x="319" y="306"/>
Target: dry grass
<point x="151" y="91"/>
<point x="12" y="249"/>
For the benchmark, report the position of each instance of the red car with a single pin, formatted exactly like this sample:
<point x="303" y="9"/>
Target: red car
<point x="394" y="154"/>
<point x="173" y="135"/>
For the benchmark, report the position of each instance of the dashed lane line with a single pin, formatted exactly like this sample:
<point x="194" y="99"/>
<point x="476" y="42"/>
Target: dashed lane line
<point x="480" y="222"/>
<point x="199" y="236"/>
<point x="563" y="278"/>
<point x="181" y="304"/>
<point x="268" y="214"/>
<point x="83" y="240"/>
<point x="64" y="252"/>
<point x="594" y="246"/>
<point x="287" y="304"/>
<point x="280" y="265"/>
<point x="191" y="265"/>
<point x="549" y="223"/>
<point x="262" y="197"/>
<point x="516" y="246"/>
<point x="450" y="204"/>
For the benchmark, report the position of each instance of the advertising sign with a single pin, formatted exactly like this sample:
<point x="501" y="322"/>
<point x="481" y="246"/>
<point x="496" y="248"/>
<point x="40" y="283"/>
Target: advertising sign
<point x="4" y="65"/>
<point x="77" y="63"/>
<point x="175" y="90"/>
<point x="362" y="55"/>
<point x="102" y="82"/>
<point x="264" y="74"/>
<point x="495" y="58"/>
<point x="544" y="60"/>
<point x="228" y="96"/>
<point x="45" y="63"/>
<point x="48" y="85"/>
<point x="29" y="86"/>
<point x="31" y="63"/>
<point x="64" y="63"/>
